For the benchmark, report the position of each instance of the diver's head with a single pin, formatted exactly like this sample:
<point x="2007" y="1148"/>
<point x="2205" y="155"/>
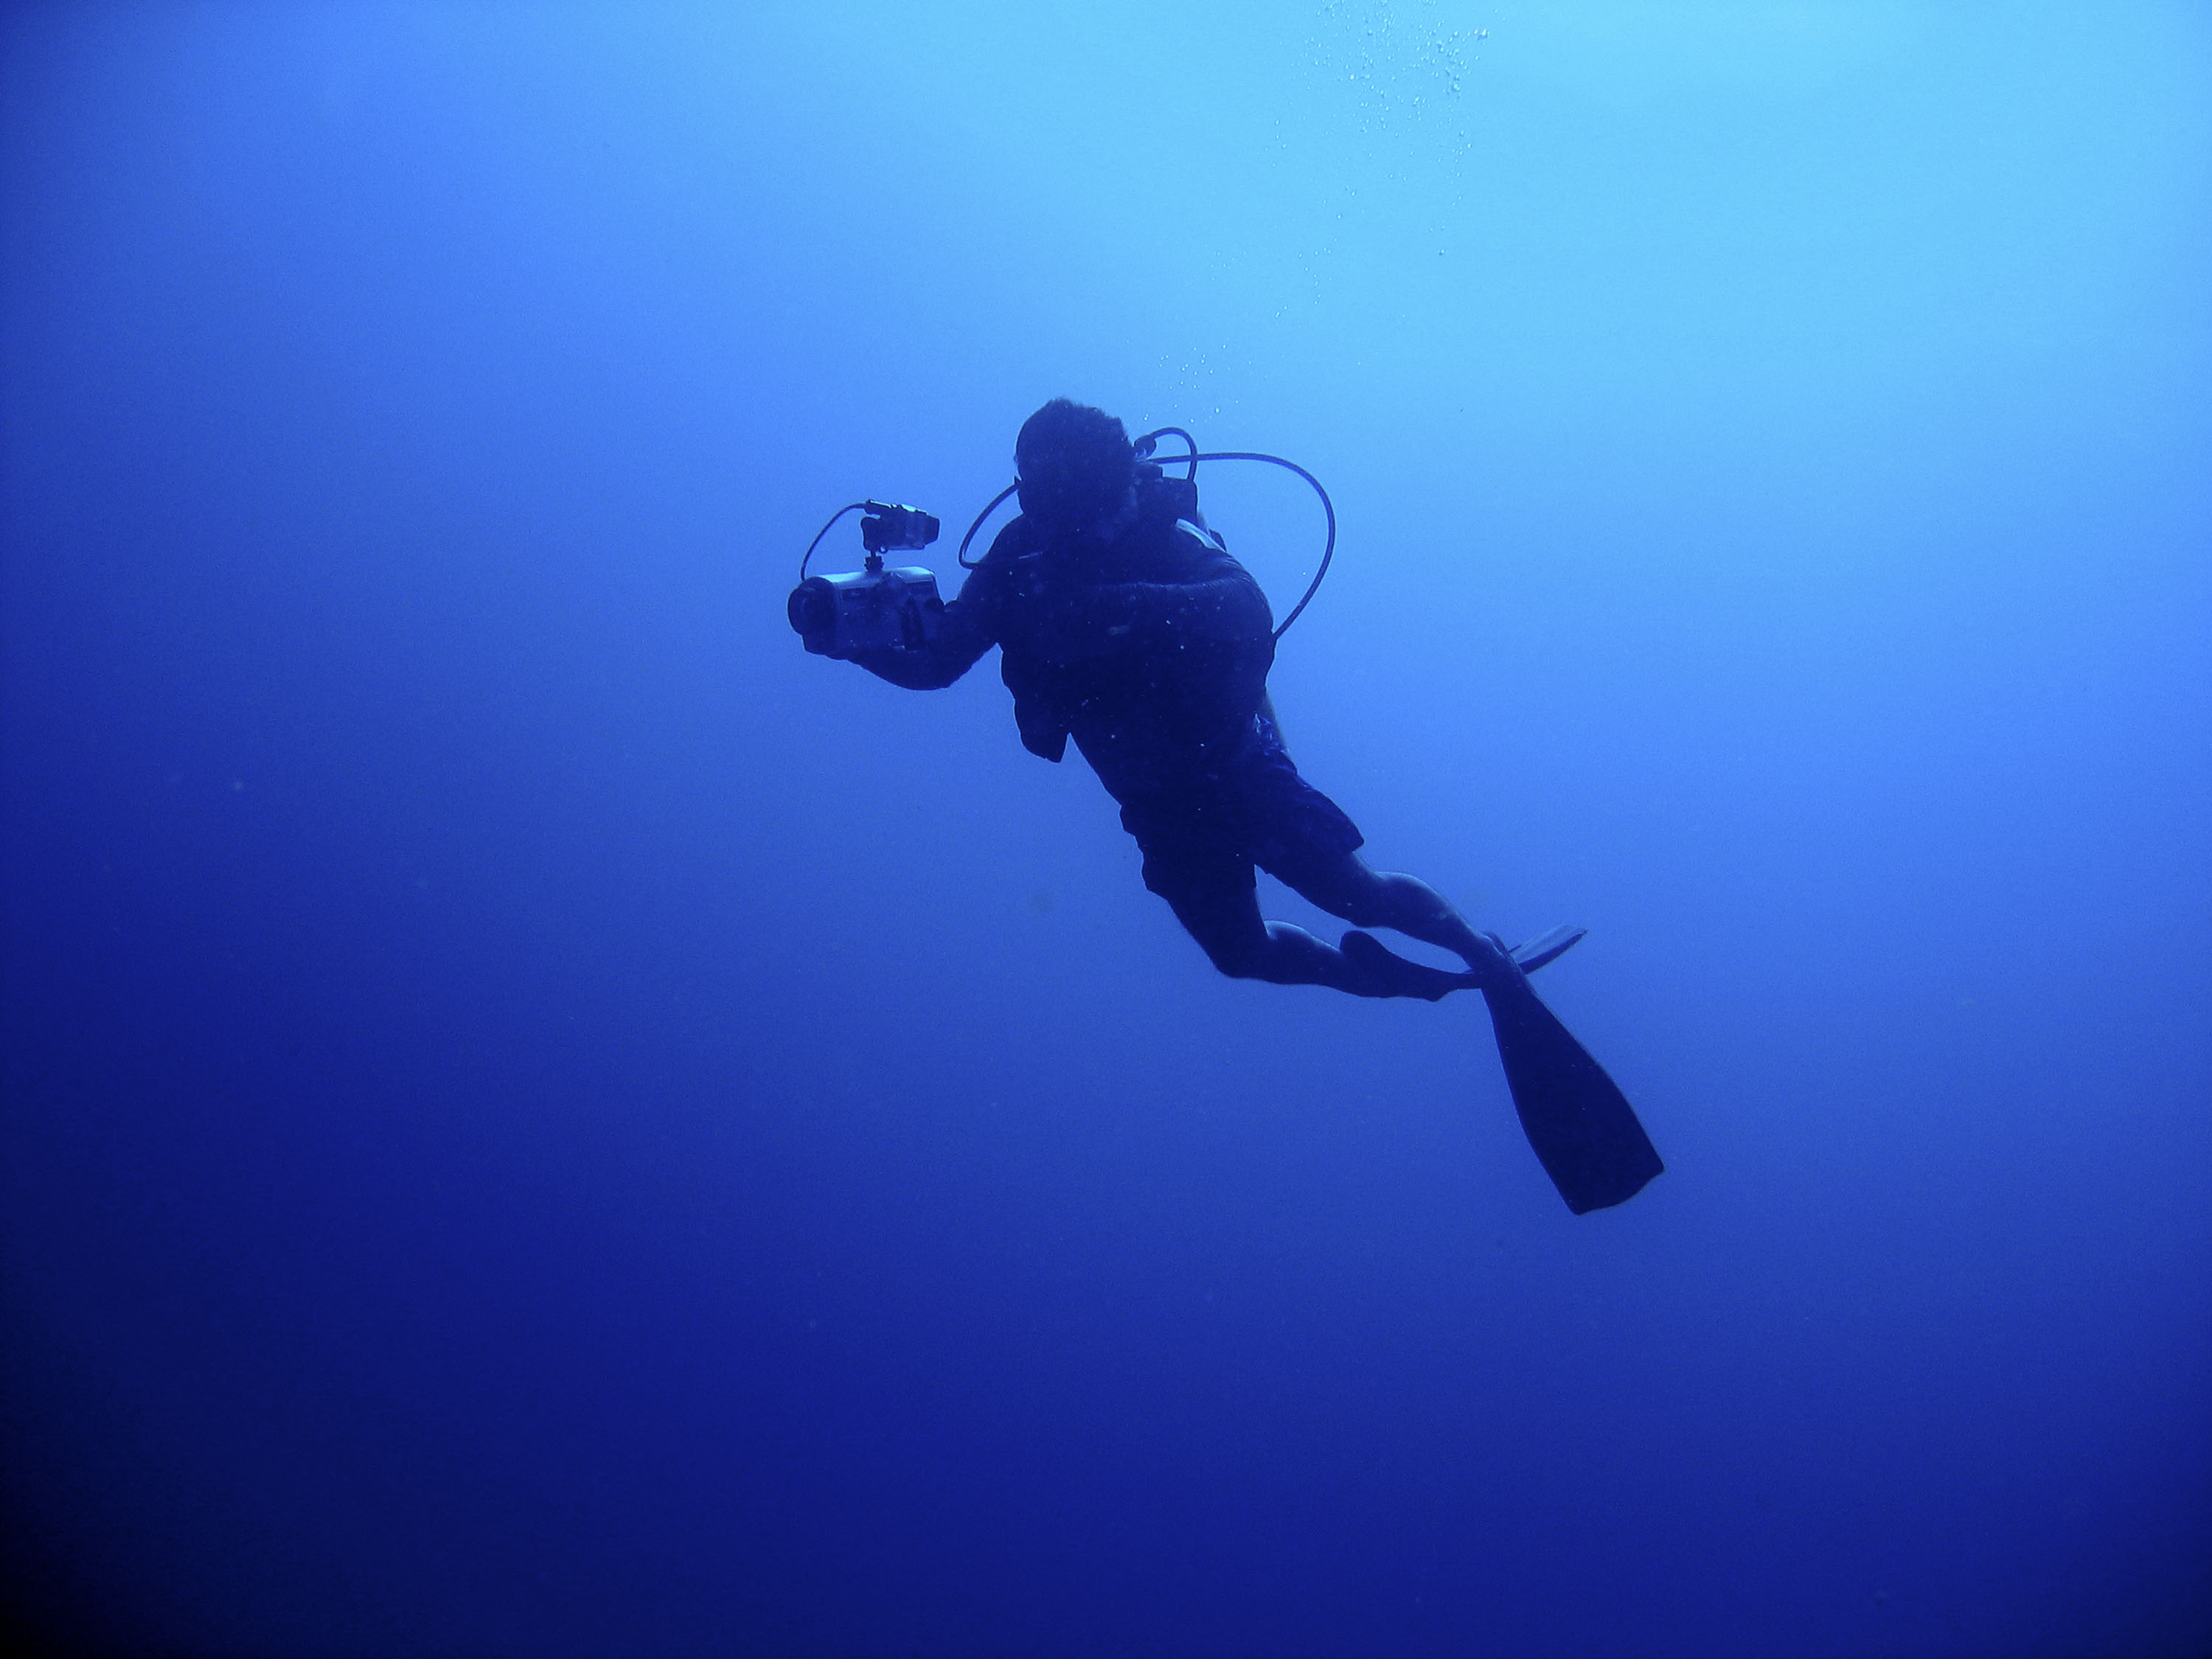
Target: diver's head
<point x="1076" y="465"/>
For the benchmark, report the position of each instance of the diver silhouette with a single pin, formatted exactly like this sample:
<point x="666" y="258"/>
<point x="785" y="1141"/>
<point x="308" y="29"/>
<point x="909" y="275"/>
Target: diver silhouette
<point x="1137" y="634"/>
<point x="1122" y="622"/>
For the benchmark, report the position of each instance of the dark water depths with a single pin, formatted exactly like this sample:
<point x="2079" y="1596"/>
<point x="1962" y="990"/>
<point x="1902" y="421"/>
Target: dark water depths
<point x="541" y="1120"/>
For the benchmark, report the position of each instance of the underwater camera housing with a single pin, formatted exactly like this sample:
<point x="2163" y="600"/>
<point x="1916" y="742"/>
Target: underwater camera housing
<point x="875" y="607"/>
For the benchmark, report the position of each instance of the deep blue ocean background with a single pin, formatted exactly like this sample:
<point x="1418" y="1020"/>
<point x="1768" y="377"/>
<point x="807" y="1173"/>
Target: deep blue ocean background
<point x="542" y="1119"/>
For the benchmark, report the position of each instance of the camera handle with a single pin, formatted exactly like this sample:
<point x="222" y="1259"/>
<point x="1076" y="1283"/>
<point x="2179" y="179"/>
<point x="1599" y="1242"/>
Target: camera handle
<point x="875" y="560"/>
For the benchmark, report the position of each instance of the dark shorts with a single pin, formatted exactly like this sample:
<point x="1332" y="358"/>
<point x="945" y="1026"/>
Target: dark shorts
<point x="1202" y="841"/>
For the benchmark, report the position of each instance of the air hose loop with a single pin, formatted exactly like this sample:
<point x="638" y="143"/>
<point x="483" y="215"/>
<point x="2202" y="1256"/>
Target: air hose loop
<point x="1145" y="445"/>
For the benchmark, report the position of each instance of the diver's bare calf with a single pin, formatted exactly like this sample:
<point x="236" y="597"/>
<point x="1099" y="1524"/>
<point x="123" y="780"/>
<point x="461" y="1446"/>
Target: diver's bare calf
<point x="1243" y="946"/>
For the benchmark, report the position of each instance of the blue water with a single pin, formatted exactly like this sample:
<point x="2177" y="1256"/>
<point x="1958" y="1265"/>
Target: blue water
<point x="542" y="1119"/>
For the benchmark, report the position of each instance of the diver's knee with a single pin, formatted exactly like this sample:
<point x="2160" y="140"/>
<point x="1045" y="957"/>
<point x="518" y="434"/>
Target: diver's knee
<point x="1237" y="951"/>
<point x="1228" y="928"/>
<point x="1238" y="961"/>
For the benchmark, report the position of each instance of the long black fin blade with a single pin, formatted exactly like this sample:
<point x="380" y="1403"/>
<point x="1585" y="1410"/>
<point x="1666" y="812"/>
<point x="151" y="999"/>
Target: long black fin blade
<point x="1582" y="1129"/>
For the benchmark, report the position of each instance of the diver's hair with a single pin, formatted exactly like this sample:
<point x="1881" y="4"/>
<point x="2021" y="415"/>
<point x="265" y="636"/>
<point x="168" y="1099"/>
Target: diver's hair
<point x="1078" y="431"/>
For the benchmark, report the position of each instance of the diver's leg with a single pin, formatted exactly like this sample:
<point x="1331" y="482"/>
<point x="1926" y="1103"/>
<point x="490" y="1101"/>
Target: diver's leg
<point x="1347" y="886"/>
<point x="1221" y="911"/>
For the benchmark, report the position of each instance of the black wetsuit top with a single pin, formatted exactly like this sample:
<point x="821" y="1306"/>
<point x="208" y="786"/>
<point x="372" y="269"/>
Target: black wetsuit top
<point x="1152" y="653"/>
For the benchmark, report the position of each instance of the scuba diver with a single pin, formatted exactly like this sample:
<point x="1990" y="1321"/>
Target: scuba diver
<point x="1122" y="622"/>
<point x="1137" y="634"/>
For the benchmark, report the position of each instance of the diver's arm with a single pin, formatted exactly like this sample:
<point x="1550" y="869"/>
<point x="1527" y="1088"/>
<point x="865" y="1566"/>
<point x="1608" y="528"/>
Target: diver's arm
<point x="959" y="643"/>
<point x="968" y="627"/>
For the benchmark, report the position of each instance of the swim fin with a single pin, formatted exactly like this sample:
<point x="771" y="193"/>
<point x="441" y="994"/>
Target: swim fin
<point x="1389" y="974"/>
<point x="1583" y="1131"/>
<point x="1547" y="947"/>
